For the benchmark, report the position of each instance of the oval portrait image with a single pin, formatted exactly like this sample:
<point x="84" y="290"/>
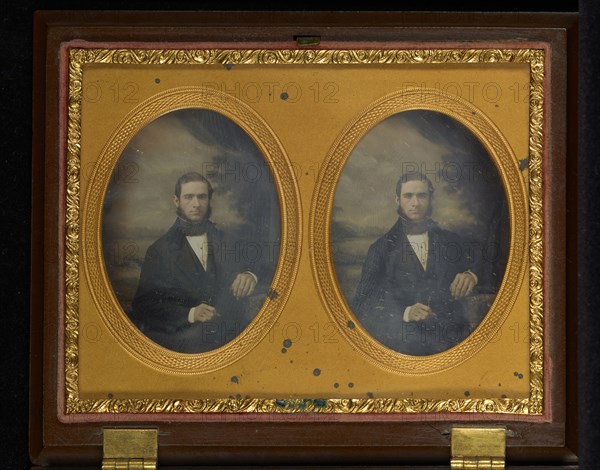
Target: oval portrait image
<point x="420" y="232"/>
<point x="191" y="230"/>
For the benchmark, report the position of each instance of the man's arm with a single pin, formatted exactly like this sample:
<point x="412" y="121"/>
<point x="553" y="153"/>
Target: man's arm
<point x="417" y="312"/>
<point x="202" y="313"/>
<point x="239" y="278"/>
<point x="368" y="290"/>
<point x="463" y="284"/>
<point x="243" y="285"/>
<point x="158" y="303"/>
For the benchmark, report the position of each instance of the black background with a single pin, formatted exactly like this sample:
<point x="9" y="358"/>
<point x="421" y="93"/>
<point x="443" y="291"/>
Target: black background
<point x="17" y="195"/>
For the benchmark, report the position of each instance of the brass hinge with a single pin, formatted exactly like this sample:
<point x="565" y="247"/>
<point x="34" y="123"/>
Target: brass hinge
<point x="478" y="448"/>
<point x="130" y="449"/>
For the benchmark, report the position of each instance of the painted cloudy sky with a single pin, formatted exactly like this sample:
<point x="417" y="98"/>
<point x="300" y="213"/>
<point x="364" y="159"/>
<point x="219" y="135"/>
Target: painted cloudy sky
<point x="468" y="191"/>
<point x="139" y="200"/>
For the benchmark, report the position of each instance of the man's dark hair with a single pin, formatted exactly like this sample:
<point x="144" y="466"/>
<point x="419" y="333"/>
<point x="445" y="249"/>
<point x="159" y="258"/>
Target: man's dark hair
<point x="413" y="176"/>
<point x="188" y="178"/>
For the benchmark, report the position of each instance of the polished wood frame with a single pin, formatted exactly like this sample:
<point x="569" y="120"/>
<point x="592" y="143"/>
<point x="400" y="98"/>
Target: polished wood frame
<point x="53" y="442"/>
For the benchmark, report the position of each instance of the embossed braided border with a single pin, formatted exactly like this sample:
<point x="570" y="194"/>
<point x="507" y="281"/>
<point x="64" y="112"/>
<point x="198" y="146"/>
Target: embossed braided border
<point x="80" y="57"/>
<point x="92" y="258"/>
<point x="333" y="299"/>
<point x="128" y="336"/>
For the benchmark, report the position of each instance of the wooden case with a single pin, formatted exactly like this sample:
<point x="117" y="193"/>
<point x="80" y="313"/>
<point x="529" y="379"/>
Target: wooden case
<point x="311" y="88"/>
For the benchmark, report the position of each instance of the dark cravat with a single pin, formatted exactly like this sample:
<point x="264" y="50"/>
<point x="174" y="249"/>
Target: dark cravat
<point x="417" y="228"/>
<point x="190" y="228"/>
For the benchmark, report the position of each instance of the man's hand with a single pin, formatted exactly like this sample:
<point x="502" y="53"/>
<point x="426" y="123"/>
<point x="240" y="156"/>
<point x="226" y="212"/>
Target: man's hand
<point x="419" y="312"/>
<point x="204" y="312"/>
<point x="243" y="285"/>
<point x="463" y="285"/>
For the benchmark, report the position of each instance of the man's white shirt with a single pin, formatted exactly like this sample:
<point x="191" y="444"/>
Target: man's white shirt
<point x="199" y="244"/>
<point x="420" y="245"/>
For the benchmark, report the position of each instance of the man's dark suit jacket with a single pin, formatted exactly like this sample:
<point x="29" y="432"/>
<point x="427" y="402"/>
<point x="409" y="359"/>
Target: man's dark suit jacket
<point x="393" y="278"/>
<point x="173" y="281"/>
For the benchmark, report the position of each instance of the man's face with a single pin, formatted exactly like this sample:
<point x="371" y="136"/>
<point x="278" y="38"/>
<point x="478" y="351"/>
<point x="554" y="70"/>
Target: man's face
<point x="414" y="200"/>
<point x="193" y="201"/>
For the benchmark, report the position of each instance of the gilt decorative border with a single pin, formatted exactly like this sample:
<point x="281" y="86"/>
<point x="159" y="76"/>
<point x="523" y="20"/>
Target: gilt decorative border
<point x="79" y="57"/>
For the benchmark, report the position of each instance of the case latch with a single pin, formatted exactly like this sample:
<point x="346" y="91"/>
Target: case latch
<point x="130" y="449"/>
<point x="304" y="41"/>
<point x="478" y="448"/>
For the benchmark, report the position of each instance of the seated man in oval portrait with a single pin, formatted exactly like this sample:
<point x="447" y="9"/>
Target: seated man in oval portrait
<point x="191" y="289"/>
<point x="414" y="277"/>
